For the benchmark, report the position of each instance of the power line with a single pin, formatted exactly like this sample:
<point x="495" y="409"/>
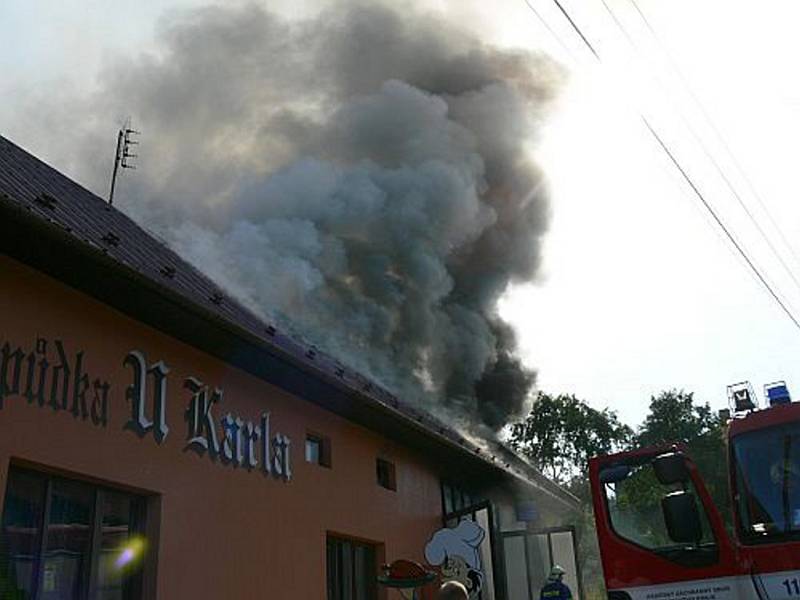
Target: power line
<point x="577" y="29"/>
<point x="708" y="153"/>
<point x="556" y="37"/>
<point x="619" y="25"/>
<point x="711" y="210"/>
<point x="691" y="183"/>
<point x="717" y="132"/>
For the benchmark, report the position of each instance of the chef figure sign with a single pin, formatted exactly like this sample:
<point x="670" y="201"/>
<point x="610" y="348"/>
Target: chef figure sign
<point x="456" y="551"/>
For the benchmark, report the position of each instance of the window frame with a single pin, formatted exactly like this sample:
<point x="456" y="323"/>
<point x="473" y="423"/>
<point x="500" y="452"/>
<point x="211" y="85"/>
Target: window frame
<point x="548" y="532"/>
<point x="134" y="584"/>
<point x="324" y="457"/>
<point x="738" y="481"/>
<point x="703" y="555"/>
<point x="336" y="543"/>
<point x="457" y="499"/>
<point x="391" y="474"/>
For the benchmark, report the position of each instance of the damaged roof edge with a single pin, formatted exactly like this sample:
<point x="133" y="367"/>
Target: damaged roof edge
<point x="227" y="338"/>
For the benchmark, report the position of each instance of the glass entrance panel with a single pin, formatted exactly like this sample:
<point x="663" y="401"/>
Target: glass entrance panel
<point x="538" y="560"/>
<point x="529" y="556"/>
<point x="487" y="590"/>
<point x="516" y="573"/>
<point x="563" y="545"/>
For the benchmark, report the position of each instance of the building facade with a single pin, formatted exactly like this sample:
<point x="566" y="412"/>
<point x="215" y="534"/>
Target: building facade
<point x="157" y="440"/>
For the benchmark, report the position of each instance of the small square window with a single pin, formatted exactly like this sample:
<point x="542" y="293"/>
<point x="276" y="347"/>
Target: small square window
<point x="386" y="474"/>
<point x="313" y="449"/>
<point x="318" y="450"/>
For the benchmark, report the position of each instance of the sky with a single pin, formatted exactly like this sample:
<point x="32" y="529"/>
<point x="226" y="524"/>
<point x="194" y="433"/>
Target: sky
<point x="640" y="291"/>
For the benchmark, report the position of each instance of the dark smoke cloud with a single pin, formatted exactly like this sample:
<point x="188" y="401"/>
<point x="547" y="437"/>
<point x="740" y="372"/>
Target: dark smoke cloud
<point x="362" y="176"/>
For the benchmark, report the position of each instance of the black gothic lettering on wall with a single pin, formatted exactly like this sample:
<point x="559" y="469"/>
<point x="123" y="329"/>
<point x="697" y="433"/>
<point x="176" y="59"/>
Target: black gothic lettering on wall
<point x="202" y="435"/>
<point x="232" y="444"/>
<point x="37" y="373"/>
<point x="237" y="446"/>
<point x="10" y="371"/>
<point x="136" y="395"/>
<point x="276" y="458"/>
<point x="50" y="375"/>
<point x="79" y="389"/>
<point x="100" y="402"/>
<point x="59" y="388"/>
<point x="251" y="435"/>
<point x="62" y="385"/>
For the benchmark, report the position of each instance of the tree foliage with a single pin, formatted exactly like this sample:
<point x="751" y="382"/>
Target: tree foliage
<point x="561" y="433"/>
<point x="674" y="417"/>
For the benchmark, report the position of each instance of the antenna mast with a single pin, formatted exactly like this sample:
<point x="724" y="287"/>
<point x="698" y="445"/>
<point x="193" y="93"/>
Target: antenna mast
<point x="123" y="156"/>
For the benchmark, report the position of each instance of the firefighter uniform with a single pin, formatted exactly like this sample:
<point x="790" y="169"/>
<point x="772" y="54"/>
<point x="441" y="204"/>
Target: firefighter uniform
<point x="555" y="589"/>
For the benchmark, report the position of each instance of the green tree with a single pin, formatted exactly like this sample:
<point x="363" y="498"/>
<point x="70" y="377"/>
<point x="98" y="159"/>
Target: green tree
<point x="561" y="434"/>
<point x="675" y="418"/>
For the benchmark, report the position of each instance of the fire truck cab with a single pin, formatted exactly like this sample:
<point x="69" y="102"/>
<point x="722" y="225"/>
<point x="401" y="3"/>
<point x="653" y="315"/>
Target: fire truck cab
<point x="661" y="536"/>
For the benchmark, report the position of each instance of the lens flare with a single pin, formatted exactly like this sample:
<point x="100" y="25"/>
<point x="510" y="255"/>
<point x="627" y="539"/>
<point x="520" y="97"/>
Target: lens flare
<point x="130" y="553"/>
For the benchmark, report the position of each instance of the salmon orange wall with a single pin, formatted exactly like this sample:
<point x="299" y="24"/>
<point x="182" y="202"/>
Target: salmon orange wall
<point x="224" y="532"/>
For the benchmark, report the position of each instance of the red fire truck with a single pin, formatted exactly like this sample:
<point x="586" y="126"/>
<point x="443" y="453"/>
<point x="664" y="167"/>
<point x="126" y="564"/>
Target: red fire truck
<point x="662" y="537"/>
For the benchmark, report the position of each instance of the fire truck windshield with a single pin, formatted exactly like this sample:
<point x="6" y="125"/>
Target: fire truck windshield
<point x="767" y="480"/>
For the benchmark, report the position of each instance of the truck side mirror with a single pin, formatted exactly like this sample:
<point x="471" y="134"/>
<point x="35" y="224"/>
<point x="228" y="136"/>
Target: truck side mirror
<point x="614" y="473"/>
<point x="682" y="518"/>
<point x="671" y="468"/>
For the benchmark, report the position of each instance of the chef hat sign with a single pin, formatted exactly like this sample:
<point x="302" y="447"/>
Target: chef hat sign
<point x="457" y="552"/>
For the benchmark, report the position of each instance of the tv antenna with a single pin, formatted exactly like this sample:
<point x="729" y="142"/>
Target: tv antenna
<point x="123" y="155"/>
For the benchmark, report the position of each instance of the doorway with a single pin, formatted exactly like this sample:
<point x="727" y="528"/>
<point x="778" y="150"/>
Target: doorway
<point x="529" y="556"/>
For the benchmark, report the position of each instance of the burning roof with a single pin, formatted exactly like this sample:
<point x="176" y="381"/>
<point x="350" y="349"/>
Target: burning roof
<point x="36" y="201"/>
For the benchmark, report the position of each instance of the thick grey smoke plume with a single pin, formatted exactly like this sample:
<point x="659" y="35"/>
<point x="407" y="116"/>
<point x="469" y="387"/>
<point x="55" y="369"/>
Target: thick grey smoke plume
<point x="362" y="176"/>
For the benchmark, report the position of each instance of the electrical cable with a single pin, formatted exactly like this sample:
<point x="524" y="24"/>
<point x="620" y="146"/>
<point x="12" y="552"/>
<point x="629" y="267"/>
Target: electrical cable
<point x="711" y="210"/>
<point x="708" y="153"/>
<point x="577" y="29"/>
<point x="555" y="36"/>
<point x="717" y="132"/>
<point x="692" y="185"/>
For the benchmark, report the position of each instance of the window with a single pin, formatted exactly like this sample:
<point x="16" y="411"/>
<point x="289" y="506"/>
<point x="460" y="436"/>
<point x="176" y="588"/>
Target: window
<point x="352" y="570"/>
<point x="767" y="479"/>
<point x="64" y="539"/>
<point x="318" y="450"/>
<point x="635" y="498"/>
<point x="313" y="449"/>
<point x="386" y="474"/>
<point x="456" y="499"/>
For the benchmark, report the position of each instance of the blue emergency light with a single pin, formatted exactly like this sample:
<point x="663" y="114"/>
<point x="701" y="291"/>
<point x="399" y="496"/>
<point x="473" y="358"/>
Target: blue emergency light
<point x="777" y="393"/>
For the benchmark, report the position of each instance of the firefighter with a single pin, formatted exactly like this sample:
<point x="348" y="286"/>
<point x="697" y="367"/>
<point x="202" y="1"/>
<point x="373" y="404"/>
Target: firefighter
<point x="555" y="588"/>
